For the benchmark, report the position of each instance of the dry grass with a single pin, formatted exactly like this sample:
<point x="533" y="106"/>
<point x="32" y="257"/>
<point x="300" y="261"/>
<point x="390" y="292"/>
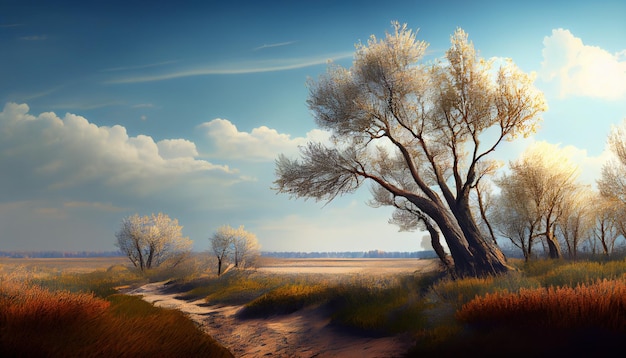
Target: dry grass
<point x="601" y="305"/>
<point x="37" y="321"/>
<point x="545" y="309"/>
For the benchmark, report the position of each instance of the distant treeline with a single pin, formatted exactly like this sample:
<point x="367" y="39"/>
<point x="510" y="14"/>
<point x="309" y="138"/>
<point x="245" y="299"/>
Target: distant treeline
<point x="58" y="254"/>
<point x="353" y="254"/>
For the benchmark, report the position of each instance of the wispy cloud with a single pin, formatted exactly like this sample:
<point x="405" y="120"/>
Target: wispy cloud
<point x="238" y="69"/>
<point x="42" y="93"/>
<point x="86" y="106"/>
<point x="3" y="26"/>
<point x="100" y="206"/>
<point x="138" y="67"/>
<point x="34" y="38"/>
<point x="279" y="44"/>
<point x="143" y="105"/>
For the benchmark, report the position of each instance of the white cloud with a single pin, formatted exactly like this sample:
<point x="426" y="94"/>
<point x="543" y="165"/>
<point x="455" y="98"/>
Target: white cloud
<point x="582" y="70"/>
<point x="177" y="148"/>
<point x="261" y="144"/>
<point x="47" y="153"/>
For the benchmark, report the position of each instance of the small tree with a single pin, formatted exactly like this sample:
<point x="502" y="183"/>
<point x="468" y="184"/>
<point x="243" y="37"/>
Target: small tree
<point x="607" y="223"/>
<point x="238" y="245"/>
<point x="245" y="247"/>
<point x="221" y="245"/>
<point x="152" y="241"/>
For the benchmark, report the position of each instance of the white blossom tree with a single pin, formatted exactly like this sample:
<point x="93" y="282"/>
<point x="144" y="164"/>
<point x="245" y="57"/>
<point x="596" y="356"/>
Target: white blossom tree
<point x="237" y="245"/>
<point x="152" y="241"/>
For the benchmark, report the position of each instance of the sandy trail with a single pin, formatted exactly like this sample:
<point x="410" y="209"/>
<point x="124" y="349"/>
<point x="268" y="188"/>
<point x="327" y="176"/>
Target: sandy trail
<point x="302" y="334"/>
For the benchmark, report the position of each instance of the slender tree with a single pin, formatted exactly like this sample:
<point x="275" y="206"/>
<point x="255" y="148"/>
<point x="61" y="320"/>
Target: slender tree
<point x="418" y="130"/>
<point x="607" y="223"/>
<point x="222" y="245"/>
<point x="536" y="192"/>
<point x="575" y="224"/>
<point x="245" y="247"/>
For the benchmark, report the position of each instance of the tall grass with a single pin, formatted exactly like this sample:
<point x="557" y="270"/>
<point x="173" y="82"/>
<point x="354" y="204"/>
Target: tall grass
<point x="550" y="307"/>
<point x="369" y="303"/>
<point x="47" y="313"/>
<point x="601" y="304"/>
<point x="102" y="283"/>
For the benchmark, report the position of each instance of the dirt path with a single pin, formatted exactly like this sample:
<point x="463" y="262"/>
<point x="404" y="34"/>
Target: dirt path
<point x="302" y="334"/>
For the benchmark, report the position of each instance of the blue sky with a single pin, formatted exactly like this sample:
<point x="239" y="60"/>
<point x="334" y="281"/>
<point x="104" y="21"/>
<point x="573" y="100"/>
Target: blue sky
<point x="116" y="108"/>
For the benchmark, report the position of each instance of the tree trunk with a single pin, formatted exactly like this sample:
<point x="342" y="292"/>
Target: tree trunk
<point x="139" y="254"/>
<point x="487" y="258"/>
<point x="472" y="255"/>
<point x="554" y="249"/>
<point x="436" y="244"/>
<point x="219" y="266"/>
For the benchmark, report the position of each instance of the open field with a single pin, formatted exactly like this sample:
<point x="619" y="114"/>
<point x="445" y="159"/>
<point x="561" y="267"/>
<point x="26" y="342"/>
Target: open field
<point x="65" y="265"/>
<point x="266" y="264"/>
<point x="345" y="266"/>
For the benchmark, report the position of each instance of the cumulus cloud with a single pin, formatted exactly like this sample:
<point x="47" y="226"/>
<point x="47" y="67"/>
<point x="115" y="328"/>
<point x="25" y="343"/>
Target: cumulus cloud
<point x="177" y="148"/>
<point x="47" y="154"/>
<point x="582" y="70"/>
<point x="260" y="144"/>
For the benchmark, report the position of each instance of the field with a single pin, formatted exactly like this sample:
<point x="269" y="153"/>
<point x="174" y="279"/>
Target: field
<point x="66" y="265"/>
<point x="314" y="307"/>
<point x="344" y="266"/>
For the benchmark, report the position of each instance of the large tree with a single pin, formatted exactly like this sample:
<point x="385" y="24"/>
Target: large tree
<point x="152" y="241"/>
<point x="418" y="130"/>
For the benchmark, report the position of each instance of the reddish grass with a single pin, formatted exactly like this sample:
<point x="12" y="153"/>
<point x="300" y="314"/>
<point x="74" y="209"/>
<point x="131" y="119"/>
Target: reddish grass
<point x="36" y="322"/>
<point x="597" y="305"/>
